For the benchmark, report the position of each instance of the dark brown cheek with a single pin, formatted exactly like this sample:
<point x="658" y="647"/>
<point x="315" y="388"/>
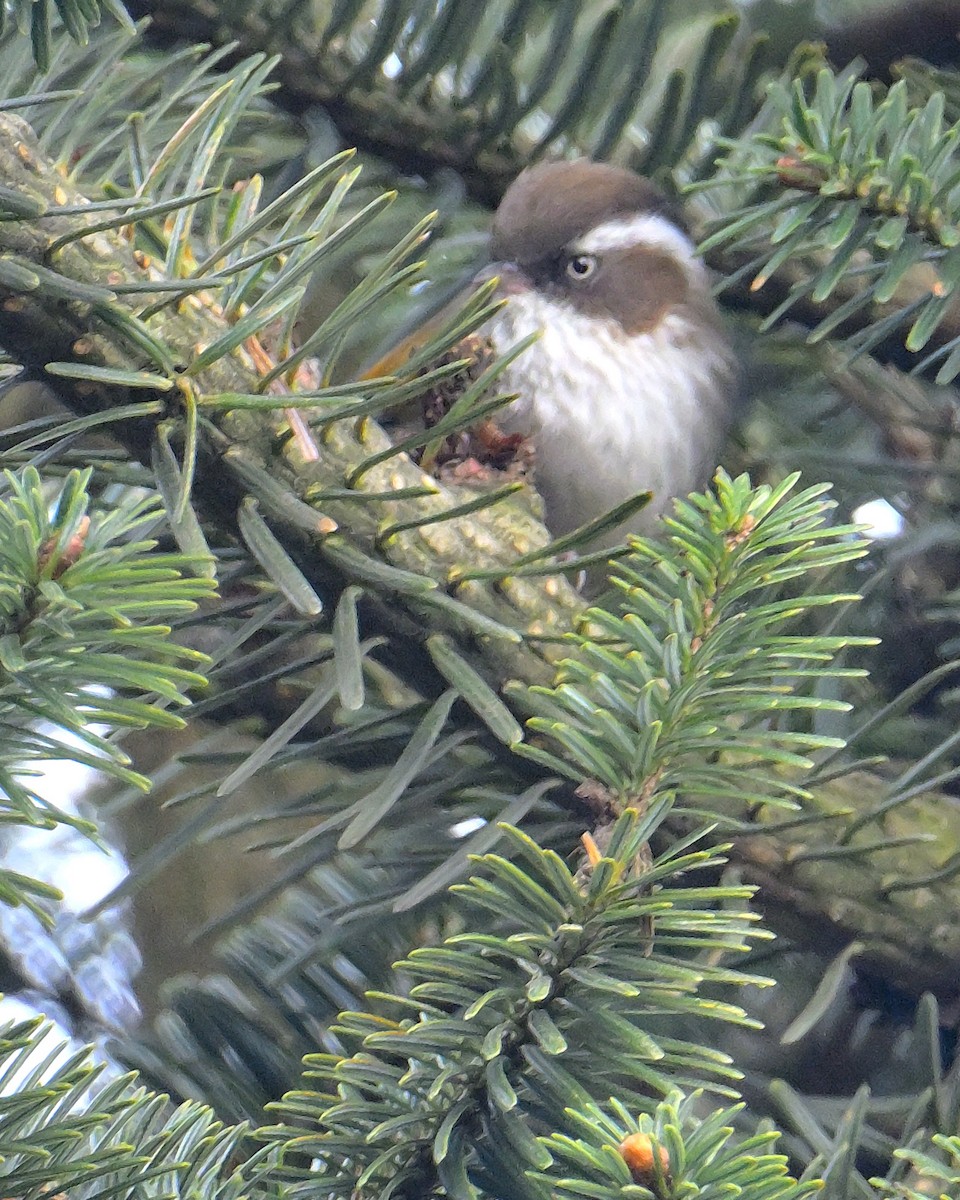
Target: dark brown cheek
<point x="642" y="286"/>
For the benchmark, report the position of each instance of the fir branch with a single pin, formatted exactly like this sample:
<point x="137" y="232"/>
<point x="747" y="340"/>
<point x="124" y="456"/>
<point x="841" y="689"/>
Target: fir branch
<point x="64" y="1131"/>
<point x="853" y="202"/>
<point x="254" y="447"/>
<point x="696" y="662"/>
<point x="668" y="1152"/>
<point x="405" y="582"/>
<point x="561" y="999"/>
<point x="77" y="16"/>
<point x="576" y="982"/>
<point x="936" y="1168"/>
<point x="924" y="81"/>
<point x="809" y="890"/>
<point x="432" y="86"/>
<point x="83" y="644"/>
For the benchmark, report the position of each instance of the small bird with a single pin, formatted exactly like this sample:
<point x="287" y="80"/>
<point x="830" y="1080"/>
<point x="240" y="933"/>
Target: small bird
<point x="630" y="384"/>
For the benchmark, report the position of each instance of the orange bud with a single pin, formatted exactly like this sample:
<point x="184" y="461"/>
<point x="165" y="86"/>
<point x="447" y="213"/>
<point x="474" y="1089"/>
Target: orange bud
<point x="591" y="847"/>
<point x="792" y="171"/>
<point x="69" y="554"/>
<point x="637" y="1151"/>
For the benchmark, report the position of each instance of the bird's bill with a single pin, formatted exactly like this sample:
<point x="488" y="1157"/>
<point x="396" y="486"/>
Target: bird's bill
<point x="512" y="279"/>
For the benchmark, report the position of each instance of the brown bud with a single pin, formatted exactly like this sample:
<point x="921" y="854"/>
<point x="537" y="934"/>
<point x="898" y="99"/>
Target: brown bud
<point x="739" y="535"/>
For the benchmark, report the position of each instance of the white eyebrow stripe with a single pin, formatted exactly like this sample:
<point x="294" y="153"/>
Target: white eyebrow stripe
<point x="642" y="229"/>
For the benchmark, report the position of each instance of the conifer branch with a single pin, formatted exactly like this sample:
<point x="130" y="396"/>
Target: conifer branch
<point x="78" y="18"/>
<point x="848" y="206"/>
<point x="83" y="643"/>
<point x="65" y="1130"/>
<point x="434" y="87"/>
<point x="92" y="338"/>
<point x="564" y="1001"/>
<point x="665" y="1150"/>
<point x="935" y="1168"/>
<point x="97" y="335"/>
<point x="165" y="310"/>
<point x="693" y="621"/>
<point x="407" y="584"/>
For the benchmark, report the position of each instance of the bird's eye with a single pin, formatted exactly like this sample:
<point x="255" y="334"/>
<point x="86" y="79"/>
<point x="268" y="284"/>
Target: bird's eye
<point x="581" y="266"/>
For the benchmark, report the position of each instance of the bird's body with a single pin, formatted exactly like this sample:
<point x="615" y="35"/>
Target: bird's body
<point x="611" y="415"/>
<point x="630" y="383"/>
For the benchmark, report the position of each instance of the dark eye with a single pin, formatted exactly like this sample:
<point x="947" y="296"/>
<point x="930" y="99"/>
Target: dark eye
<point x="581" y="266"/>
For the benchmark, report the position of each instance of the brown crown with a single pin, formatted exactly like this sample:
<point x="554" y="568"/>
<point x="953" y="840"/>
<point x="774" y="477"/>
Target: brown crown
<point x="550" y="205"/>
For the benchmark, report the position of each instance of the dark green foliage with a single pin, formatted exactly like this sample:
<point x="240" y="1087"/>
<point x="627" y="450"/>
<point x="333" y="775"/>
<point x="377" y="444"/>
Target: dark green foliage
<point x="861" y="189"/>
<point x="370" y="617"/>
<point x="521" y="77"/>
<point x="939" y="1168"/>
<point x="577" y="987"/>
<point x="84" y="601"/>
<point x="510" y="1028"/>
<point x="703" y="1158"/>
<point x="690" y="679"/>
<point x="64" y="1129"/>
<point x="78" y="17"/>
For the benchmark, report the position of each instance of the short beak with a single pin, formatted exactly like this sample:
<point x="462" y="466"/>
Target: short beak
<point x="512" y="279"/>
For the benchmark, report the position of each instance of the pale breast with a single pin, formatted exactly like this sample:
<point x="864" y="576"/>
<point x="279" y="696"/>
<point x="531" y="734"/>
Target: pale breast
<point x="612" y="415"/>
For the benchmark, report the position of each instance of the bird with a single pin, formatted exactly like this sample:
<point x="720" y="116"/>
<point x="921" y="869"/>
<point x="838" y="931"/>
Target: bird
<point x="631" y="381"/>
